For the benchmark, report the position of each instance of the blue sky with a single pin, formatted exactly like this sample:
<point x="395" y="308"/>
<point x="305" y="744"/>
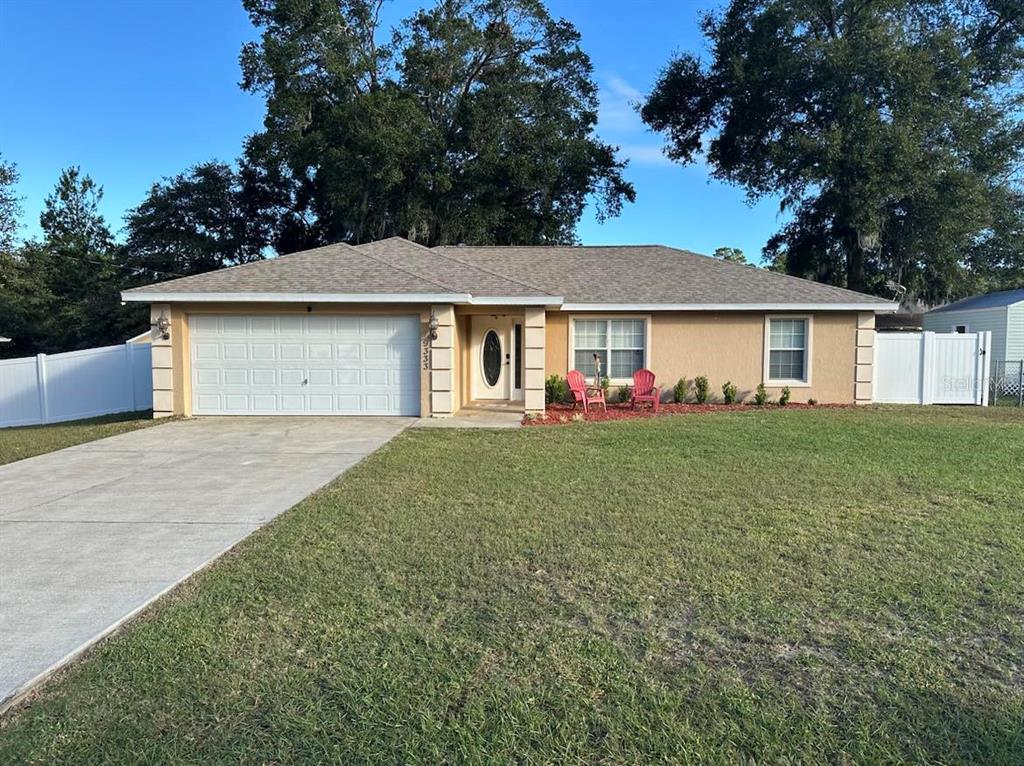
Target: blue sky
<point x="133" y="91"/>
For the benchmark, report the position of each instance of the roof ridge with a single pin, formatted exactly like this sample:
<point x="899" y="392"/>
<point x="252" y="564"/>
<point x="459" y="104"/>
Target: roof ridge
<point x="541" y="290"/>
<point x="405" y="271"/>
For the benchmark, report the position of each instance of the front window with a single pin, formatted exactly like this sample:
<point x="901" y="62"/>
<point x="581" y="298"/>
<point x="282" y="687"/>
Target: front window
<point x="620" y="344"/>
<point x="787" y="350"/>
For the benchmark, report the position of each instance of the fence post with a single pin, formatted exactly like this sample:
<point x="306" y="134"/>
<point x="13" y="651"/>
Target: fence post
<point x="985" y="366"/>
<point x="1020" y="383"/>
<point x="44" y="404"/>
<point x="129" y="355"/>
<point x="927" y="379"/>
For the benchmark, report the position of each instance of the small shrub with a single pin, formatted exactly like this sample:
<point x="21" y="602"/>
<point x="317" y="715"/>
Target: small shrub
<point x="623" y="393"/>
<point x="784" y="397"/>
<point x="556" y="390"/>
<point x="761" y="395"/>
<point x="729" y="393"/>
<point x="605" y="385"/>
<point x="680" y="390"/>
<point x="812" y="402"/>
<point x="701" y="389"/>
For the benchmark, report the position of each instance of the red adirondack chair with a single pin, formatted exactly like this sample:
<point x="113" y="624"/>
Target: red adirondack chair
<point x="644" y="389"/>
<point x="582" y="393"/>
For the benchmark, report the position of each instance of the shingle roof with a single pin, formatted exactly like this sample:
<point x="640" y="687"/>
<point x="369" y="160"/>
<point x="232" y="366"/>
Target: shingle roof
<point x="988" y="301"/>
<point x="627" y="275"/>
<point x="457" y="276"/>
<point x="649" y="274"/>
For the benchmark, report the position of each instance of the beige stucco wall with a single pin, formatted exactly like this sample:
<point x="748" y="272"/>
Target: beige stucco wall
<point x="729" y="346"/>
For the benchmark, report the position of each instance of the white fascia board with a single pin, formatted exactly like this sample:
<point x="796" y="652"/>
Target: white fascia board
<point x="878" y="308"/>
<point x="158" y="297"/>
<point x="515" y="300"/>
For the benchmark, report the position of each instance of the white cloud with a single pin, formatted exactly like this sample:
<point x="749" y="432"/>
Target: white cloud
<point x="623" y="89"/>
<point x="644" y="154"/>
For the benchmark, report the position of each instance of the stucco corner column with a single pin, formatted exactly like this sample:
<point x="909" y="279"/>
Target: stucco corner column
<point x="533" y="359"/>
<point x="442" y="363"/>
<point x="163" y="364"/>
<point x="865" y="365"/>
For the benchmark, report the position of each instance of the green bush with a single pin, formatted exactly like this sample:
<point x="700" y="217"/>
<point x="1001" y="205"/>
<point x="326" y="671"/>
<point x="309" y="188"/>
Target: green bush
<point x="623" y="395"/>
<point x="701" y="389"/>
<point x="605" y="385"/>
<point x="729" y="393"/>
<point x="556" y="390"/>
<point x="812" y="401"/>
<point x="761" y="395"/>
<point x="784" y="397"/>
<point x="680" y="390"/>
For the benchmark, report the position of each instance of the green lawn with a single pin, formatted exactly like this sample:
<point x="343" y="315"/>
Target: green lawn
<point x="816" y="586"/>
<point x="20" y="443"/>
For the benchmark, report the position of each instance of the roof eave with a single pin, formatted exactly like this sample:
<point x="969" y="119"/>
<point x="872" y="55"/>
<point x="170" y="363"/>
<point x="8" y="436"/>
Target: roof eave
<point x="144" y="296"/>
<point x="878" y="308"/>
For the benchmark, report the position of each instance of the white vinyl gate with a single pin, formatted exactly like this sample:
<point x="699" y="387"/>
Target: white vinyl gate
<point x="932" y="368"/>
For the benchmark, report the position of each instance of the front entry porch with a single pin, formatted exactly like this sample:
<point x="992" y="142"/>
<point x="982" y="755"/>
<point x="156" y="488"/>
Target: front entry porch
<point x="487" y="359"/>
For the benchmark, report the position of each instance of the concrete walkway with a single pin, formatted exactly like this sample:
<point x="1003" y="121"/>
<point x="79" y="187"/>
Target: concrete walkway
<point x="91" y="534"/>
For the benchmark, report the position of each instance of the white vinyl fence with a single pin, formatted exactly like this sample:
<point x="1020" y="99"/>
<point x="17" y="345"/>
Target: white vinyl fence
<point x="78" y="384"/>
<point x="932" y="368"/>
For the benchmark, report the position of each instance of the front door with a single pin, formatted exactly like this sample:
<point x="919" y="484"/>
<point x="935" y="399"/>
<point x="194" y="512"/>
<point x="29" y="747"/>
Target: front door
<point x="494" y="358"/>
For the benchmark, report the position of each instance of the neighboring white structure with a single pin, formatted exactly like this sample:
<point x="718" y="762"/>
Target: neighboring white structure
<point x="1000" y="313"/>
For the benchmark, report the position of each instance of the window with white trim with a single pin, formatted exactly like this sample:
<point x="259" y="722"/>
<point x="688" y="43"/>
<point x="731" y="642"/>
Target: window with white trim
<point x="787" y="350"/>
<point x="620" y="344"/>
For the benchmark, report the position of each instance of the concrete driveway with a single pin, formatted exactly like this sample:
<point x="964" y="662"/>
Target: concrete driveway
<point x="91" y="534"/>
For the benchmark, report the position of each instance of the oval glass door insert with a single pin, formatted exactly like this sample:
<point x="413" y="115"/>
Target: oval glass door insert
<point x="492" y="358"/>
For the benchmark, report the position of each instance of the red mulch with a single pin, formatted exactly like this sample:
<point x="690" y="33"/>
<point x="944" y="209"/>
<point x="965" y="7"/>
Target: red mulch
<point x="558" y="414"/>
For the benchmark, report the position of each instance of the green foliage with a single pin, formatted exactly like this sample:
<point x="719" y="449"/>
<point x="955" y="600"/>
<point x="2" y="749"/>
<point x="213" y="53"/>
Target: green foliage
<point x="784" y="396"/>
<point x="729" y="393"/>
<point x="731" y="254"/>
<point x="812" y="401"/>
<point x="623" y="394"/>
<point x="892" y="132"/>
<point x="760" y="395"/>
<point x="556" y="390"/>
<point x="10" y="205"/>
<point x="680" y="390"/>
<point x="472" y="122"/>
<point x="63" y="293"/>
<point x="701" y="389"/>
<point x="197" y="221"/>
<point x="606" y="384"/>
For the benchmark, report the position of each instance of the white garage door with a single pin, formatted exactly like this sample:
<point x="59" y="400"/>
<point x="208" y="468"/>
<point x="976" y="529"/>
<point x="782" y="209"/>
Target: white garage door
<point x="311" y="365"/>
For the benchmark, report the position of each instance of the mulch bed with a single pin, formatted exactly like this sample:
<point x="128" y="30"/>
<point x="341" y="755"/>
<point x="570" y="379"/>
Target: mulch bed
<point x="559" y="414"/>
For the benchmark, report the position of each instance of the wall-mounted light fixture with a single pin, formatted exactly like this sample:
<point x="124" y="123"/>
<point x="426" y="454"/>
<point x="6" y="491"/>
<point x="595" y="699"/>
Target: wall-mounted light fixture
<point x="163" y="324"/>
<point x="433" y="325"/>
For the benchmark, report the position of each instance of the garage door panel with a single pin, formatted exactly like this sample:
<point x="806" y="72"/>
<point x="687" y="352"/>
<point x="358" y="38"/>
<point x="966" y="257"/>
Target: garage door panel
<point x="263" y="403"/>
<point x="262" y="326"/>
<point x="320" y="377"/>
<point x="305" y="364"/>
<point x="233" y="326"/>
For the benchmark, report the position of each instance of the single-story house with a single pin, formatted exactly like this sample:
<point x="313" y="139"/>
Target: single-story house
<point x="1001" y="313"/>
<point x="396" y="328"/>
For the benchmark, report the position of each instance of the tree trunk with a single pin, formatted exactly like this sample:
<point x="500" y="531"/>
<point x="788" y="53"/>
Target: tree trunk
<point x="855" y="269"/>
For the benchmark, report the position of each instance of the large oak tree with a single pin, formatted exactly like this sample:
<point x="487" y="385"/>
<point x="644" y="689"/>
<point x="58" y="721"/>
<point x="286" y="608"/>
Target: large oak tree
<point x="471" y="122"/>
<point x="891" y="129"/>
